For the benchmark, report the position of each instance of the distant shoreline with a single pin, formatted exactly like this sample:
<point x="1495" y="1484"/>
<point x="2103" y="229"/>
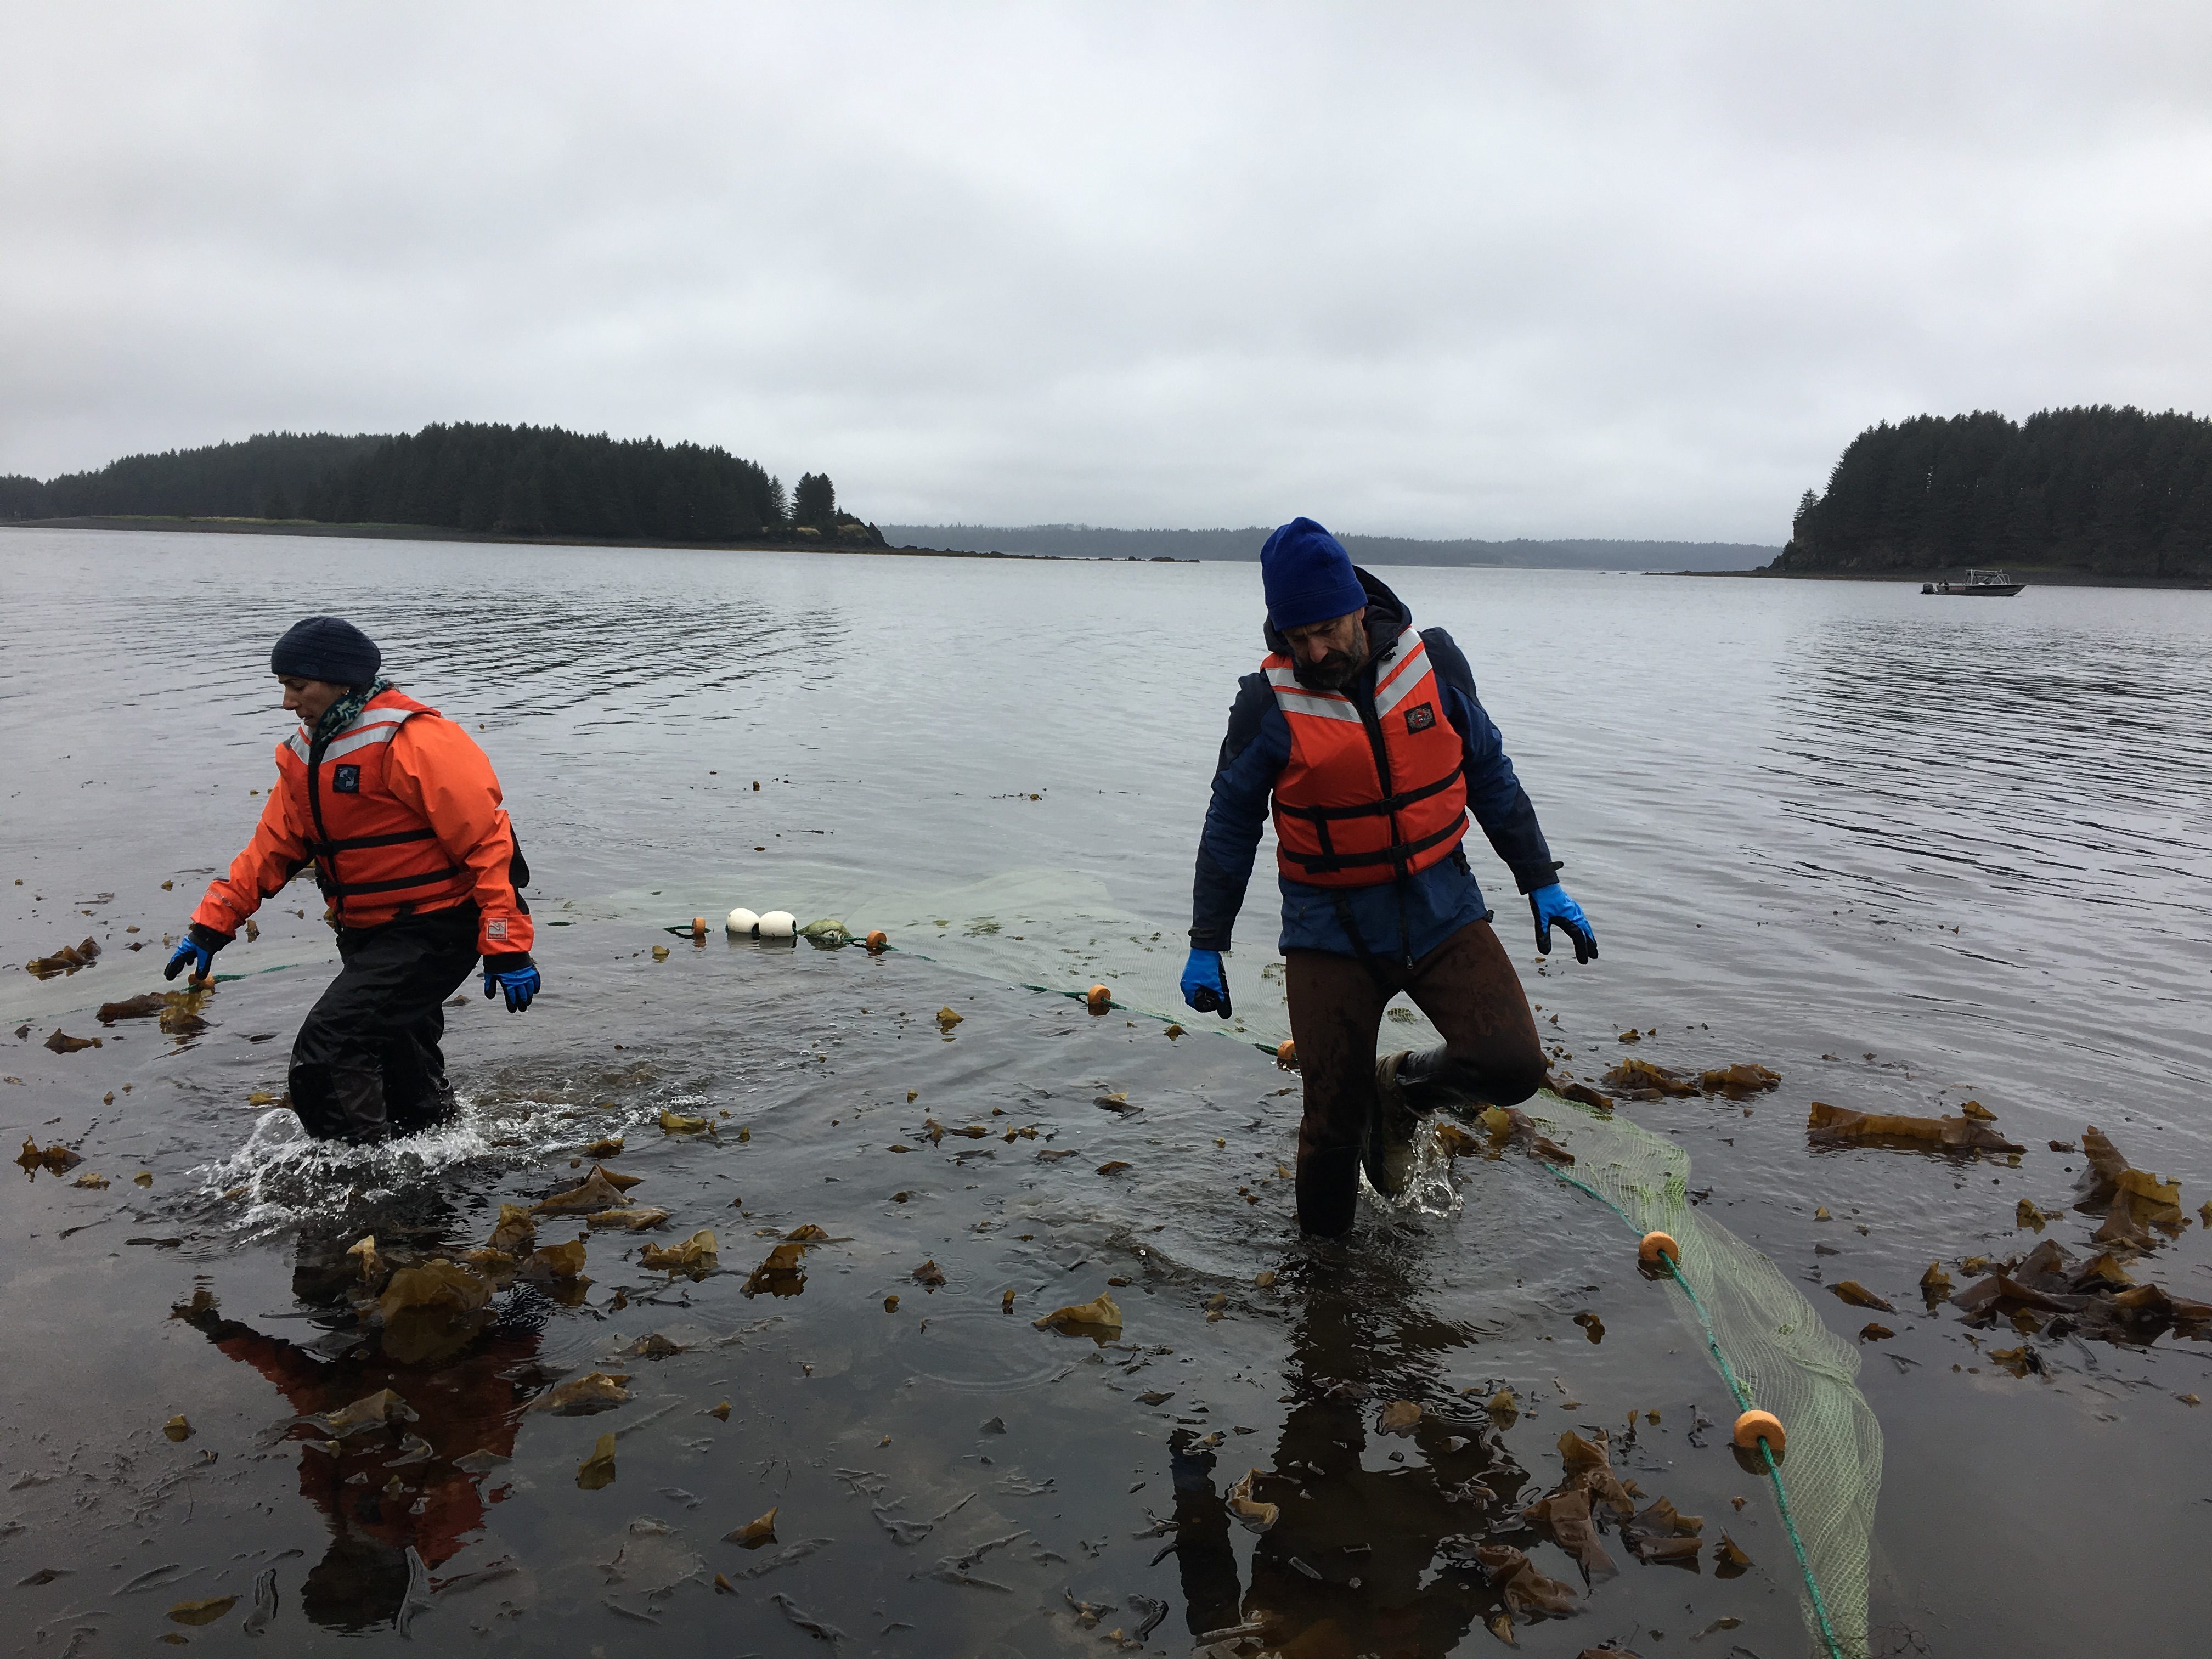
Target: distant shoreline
<point x="430" y="532"/>
<point x="2034" y="575"/>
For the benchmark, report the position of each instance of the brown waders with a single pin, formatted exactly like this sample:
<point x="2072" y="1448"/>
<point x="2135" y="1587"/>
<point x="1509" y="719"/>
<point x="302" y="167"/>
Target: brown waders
<point x="1491" y="1055"/>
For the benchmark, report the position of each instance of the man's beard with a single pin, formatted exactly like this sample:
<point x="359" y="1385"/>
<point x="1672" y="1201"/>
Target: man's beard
<point x="1332" y="672"/>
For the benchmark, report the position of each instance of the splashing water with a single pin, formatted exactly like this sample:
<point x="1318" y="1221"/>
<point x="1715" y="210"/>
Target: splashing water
<point x="281" y="1178"/>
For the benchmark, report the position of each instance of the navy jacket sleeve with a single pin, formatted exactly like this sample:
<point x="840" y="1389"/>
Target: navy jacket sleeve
<point x="1494" y="794"/>
<point x="1252" y="755"/>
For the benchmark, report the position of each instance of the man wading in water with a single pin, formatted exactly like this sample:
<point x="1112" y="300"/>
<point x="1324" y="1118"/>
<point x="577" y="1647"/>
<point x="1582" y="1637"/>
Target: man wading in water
<point x="1369" y="738"/>
<point x="399" y="812"/>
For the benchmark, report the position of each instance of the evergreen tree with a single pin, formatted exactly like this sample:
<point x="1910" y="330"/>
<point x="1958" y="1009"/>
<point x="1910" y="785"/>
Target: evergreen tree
<point x="816" y="501"/>
<point x="222" y="481"/>
<point x="21" y="497"/>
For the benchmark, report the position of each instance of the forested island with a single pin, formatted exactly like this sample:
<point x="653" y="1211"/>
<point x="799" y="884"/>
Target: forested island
<point x="2101" y="491"/>
<point x="520" y="482"/>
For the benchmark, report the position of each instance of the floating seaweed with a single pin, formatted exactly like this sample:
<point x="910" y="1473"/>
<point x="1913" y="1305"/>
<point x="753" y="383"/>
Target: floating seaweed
<point x="1642" y="1080"/>
<point x="581" y="1396"/>
<point x="598" y="1469"/>
<point x="1739" y="1080"/>
<point x="2047" y="1290"/>
<point x="67" y="960"/>
<point x="2110" y="1184"/>
<point x="1582" y="1093"/>
<point x="782" y="1273"/>
<point x="635" y="1218"/>
<point x="1527" y="1592"/>
<point x="430" y="1311"/>
<point x="1850" y="1291"/>
<point x="147" y="1004"/>
<point x="1101" y="1314"/>
<point x="1837" y="1125"/>
<point x="202" y="1613"/>
<point x="55" y="1159"/>
<point x="1565" y="1514"/>
<point x="694" y="1255"/>
<point x="601" y="1189"/>
<point x="755" y="1533"/>
<point x="1660" y="1534"/>
<point x="1250" y="1512"/>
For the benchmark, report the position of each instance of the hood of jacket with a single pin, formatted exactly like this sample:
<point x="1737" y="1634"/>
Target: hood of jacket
<point x="1388" y="617"/>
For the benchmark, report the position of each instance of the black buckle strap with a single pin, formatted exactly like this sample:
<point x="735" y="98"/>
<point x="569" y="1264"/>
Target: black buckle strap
<point x="324" y="849"/>
<point x="1380" y="807"/>
<point x="1399" y="852"/>
<point x="351" y="888"/>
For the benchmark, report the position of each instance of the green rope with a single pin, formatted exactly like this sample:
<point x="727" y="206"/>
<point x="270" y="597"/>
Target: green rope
<point x="1744" y="1402"/>
<point x="252" y="972"/>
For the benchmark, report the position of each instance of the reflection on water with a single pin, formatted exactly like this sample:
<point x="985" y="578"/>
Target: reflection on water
<point x="1375" y="1547"/>
<point x="408" y="1474"/>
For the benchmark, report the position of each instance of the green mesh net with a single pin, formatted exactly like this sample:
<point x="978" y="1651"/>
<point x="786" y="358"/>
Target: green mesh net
<point x="1783" y="1358"/>
<point x="1050" y="931"/>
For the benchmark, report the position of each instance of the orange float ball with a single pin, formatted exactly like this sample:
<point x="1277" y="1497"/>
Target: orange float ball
<point x="878" y="942"/>
<point x="698" y="927"/>
<point x="1099" y="999"/>
<point x="1287" y="1054"/>
<point x="1656" y="1244"/>
<point x="1755" y="1427"/>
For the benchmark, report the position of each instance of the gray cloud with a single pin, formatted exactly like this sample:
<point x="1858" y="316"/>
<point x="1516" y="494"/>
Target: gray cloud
<point x="1596" y="271"/>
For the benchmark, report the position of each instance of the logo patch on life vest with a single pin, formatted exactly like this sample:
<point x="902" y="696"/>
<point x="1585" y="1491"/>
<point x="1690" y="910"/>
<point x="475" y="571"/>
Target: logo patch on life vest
<point x="1421" y="717"/>
<point x="347" y="780"/>
<point x="496" y="928"/>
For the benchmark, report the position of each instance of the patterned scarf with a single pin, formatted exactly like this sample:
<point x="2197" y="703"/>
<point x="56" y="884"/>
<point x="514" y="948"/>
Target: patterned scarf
<point x="344" y="712"/>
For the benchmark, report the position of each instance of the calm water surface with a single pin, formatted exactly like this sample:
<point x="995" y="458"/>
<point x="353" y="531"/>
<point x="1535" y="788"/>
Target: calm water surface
<point x="1903" y="851"/>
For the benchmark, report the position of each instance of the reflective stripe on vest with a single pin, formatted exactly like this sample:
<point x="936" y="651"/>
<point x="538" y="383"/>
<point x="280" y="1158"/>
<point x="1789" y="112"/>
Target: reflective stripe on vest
<point x="387" y="848"/>
<point x="1365" y="799"/>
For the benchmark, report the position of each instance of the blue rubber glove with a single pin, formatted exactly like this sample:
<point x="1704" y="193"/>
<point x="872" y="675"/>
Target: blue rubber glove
<point x="197" y="951"/>
<point x="515" y="974"/>
<point x="1555" y="908"/>
<point x="1205" y="984"/>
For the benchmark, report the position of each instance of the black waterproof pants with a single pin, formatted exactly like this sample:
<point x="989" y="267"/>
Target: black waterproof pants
<point x="366" y="1065"/>
<point x="1491" y="1055"/>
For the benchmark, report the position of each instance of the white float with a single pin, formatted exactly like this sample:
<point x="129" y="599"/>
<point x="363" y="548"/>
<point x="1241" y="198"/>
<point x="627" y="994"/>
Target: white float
<point x="779" y="924"/>
<point x="743" y="924"/>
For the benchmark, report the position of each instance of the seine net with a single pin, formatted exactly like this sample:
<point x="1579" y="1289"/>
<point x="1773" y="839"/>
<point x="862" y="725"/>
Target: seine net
<point x="1052" y="930"/>
<point x="1786" y="1358"/>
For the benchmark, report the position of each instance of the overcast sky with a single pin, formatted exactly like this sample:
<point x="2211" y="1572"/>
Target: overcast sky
<point x="1558" y="269"/>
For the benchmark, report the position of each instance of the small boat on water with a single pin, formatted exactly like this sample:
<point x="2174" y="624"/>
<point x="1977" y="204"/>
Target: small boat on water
<point x="1978" y="584"/>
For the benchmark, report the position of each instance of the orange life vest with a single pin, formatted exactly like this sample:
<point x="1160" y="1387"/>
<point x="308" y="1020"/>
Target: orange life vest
<point x="1367" y="797"/>
<point x="375" y="857"/>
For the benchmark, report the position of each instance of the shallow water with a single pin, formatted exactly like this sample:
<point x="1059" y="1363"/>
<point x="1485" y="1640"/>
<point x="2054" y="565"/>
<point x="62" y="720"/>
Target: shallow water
<point x="1777" y="800"/>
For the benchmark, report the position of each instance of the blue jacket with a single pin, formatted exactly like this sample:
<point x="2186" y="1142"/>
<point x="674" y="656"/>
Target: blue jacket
<point x="1405" y="920"/>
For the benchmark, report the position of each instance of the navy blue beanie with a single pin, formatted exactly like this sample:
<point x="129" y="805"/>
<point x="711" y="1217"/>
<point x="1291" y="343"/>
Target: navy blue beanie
<point x="326" y="648"/>
<point x="1309" y="576"/>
